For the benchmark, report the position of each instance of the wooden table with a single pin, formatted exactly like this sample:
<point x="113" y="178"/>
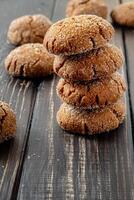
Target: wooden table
<point x="44" y="162"/>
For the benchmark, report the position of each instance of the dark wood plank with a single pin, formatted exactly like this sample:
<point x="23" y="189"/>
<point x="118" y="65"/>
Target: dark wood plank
<point x="59" y="165"/>
<point x="128" y="35"/>
<point x="20" y="94"/>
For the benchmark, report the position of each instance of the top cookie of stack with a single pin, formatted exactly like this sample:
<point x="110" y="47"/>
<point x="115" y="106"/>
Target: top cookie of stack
<point x="79" y="34"/>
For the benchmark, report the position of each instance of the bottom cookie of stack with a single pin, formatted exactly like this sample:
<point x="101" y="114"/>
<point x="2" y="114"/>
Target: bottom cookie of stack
<point x="91" y="122"/>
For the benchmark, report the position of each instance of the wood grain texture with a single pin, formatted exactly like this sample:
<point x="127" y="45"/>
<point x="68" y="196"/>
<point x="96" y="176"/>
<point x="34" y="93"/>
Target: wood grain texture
<point x="128" y="39"/>
<point x="20" y="94"/>
<point x="59" y="165"/>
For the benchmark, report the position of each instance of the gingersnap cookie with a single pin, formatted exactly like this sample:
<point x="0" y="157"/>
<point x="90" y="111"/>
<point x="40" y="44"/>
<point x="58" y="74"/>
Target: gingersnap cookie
<point x="90" y="122"/>
<point x="29" y="60"/>
<point x="98" y="63"/>
<point x="92" y="7"/>
<point x="78" y="34"/>
<point x="28" y="29"/>
<point x="7" y="122"/>
<point x="96" y="94"/>
<point x="123" y="14"/>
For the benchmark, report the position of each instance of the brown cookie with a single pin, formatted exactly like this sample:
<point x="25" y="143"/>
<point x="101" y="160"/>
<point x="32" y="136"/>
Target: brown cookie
<point x="29" y="60"/>
<point x="90" y="122"/>
<point x="92" y="7"/>
<point x="123" y="14"/>
<point x="78" y="34"/>
<point x="7" y="122"/>
<point x="28" y="29"/>
<point x="95" y="64"/>
<point x="96" y="94"/>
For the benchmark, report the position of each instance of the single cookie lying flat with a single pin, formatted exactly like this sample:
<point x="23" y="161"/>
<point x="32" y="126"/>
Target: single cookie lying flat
<point x="78" y="34"/>
<point x="28" y="29"/>
<point x="86" y="122"/>
<point x="7" y="122"/>
<point x="97" y="94"/>
<point x="123" y="14"/>
<point x="96" y="64"/>
<point x="29" y="60"/>
<point x="93" y="7"/>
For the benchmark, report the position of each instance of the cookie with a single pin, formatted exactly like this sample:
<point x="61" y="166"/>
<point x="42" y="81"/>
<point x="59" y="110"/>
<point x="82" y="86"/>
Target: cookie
<point x="123" y="14"/>
<point x="28" y="29"/>
<point x="29" y="60"/>
<point x="7" y="122"/>
<point x="96" y="94"/>
<point x="98" y="63"/>
<point x="93" y="7"/>
<point x="78" y="34"/>
<point x="88" y="122"/>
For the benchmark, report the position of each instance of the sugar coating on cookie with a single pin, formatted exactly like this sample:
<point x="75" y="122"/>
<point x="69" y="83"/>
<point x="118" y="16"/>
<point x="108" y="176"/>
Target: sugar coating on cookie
<point x="96" y="94"/>
<point x="93" y="7"/>
<point x="90" y="122"/>
<point x="123" y="14"/>
<point x="28" y="29"/>
<point x="98" y="63"/>
<point x="7" y="122"/>
<point x="78" y="34"/>
<point x="29" y="60"/>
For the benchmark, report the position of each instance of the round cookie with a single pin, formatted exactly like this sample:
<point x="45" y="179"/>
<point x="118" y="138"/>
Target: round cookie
<point x="92" y="65"/>
<point x="123" y="14"/>
<point x="29" y="60"/>
<point x="96" y="94"/>
<point x="88" y="122"/>
<point x="28" y="29"/>
<point x="78" y="34"/>
<point x="92" y="7"/>
<point x="7" y="122"/>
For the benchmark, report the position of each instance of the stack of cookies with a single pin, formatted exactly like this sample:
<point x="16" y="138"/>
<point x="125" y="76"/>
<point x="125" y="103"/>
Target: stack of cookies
<point x="90" y="87"/>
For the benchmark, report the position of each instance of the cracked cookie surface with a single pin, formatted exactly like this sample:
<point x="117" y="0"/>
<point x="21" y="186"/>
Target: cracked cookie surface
<point x="96" y="64"/>
<point x="90" y="122"/>
<point x="29" y="60"/>
<point x="78" y="34"/>
<point x="7" y="122"/>
<point x="93" y="7"/>
<point x="123" y="14"/>
<point x="96" y="94"/>
<point x="28" y="29"/>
